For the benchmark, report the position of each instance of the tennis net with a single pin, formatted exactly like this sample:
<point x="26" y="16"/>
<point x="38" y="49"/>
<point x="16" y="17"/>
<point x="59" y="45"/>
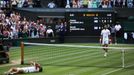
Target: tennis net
<point x="76" y="55"/>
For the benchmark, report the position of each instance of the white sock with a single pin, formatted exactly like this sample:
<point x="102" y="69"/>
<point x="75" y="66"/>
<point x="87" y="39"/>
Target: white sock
<point x="105" y="54"/>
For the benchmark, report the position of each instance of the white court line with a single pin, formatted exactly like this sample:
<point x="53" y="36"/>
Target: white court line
<point x="116" y="70"/>
<point x="112" y="71"/>
<point x="7" y="65"/>
<point x="13" y="63"/>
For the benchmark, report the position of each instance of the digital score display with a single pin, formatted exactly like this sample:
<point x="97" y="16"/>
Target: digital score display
<point x="90" y="14"/>
<point x="88" y="23"/>
<point x="76" y="25"/>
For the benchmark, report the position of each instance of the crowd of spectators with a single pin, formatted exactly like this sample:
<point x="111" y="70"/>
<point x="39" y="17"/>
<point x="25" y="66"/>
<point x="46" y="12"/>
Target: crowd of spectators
<point x="19" y="3"/>
<point x="14" y="26"/>
<point x="98" y="3"/>
<point x="4" y="3"/>
<point x="68" y="3"/>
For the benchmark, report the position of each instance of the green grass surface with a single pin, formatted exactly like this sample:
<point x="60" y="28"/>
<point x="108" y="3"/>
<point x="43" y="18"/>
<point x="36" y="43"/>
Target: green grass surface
<point x="76" y="61"/>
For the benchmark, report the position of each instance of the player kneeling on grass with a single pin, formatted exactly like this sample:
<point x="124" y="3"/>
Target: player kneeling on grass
<point x="105" y="34"/>
<point x="34" y="67"/>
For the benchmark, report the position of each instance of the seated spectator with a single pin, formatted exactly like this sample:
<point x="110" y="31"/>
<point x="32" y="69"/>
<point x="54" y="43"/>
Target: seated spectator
<point x="14" y="31"/>
<point x="14" y="3"/>
<point x="80" y="4"/>
<point x="33" y="31"/>
<point x="98" y="2"/>
<point x="25" y="3"/>
<point x="85" y="3"/>
<point x="6" y="33"/>
<point x="130" y="4"/>
<point x="104" y="4"/>
<point x="68" y="4"/>
<point x="51" y="5"/>
<point x="2" y="3"/>
<point x="75" y="4"/>
<point x="116" y="3"/>
<point x="7" y="3"/>
<point x="20" y="3"/>
<point x="61" y="32"/>
<point x="49" y="32"/>
<point x="57" y="28"/>
<point x="121" y="3"/>
<point x="1" y="11"/>
<point x="89" y="4"/>
<point x="109" y="4"/>
<point x="11" y="35"/>
<point x="42" y="30"/>
<point x="112" y="2"/>
<point x="94" y="4"/>
<point x="124" y="4"/>
<point x="30" y="3"/>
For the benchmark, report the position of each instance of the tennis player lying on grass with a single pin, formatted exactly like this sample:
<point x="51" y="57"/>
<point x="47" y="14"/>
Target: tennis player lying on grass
<point x="34" y="67"/>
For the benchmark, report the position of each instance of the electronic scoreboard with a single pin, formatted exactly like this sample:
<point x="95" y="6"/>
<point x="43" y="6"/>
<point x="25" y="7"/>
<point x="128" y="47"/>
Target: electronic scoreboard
<point x="88" y="23"/>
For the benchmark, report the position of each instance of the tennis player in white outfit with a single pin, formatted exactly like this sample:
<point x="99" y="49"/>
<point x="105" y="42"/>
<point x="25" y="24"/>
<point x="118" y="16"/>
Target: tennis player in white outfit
<point x="105" y="36"/>
<point x="34" y="67"/>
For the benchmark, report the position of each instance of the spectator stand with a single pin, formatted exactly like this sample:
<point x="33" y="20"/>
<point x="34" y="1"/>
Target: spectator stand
<point x="4" y="52"/>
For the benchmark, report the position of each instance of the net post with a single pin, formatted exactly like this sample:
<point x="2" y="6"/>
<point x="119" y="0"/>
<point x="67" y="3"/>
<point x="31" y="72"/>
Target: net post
<point x="22" y="53"/>
<point x="123" y="58"/>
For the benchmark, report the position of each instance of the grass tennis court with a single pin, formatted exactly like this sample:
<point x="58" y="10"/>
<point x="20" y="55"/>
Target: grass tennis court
<point x="75" y="61"/>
